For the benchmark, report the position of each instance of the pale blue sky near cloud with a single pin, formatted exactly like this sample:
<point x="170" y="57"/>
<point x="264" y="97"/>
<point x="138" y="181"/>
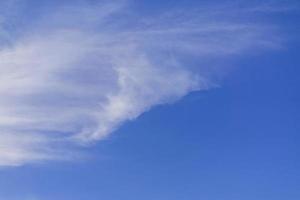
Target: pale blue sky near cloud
<point x="149" y="100"/>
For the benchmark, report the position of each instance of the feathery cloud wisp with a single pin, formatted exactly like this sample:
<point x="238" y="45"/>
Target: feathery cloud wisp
<point x="78" y="72"/>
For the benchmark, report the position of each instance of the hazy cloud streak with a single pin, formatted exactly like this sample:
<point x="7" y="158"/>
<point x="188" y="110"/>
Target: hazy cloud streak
<point x="78" y="72"/>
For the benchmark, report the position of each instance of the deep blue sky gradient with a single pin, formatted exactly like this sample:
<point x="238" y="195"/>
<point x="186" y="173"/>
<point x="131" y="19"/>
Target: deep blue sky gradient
<point x="239" y="141"/>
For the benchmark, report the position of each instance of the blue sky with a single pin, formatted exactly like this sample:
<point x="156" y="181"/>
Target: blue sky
<point x="149" y="100"/>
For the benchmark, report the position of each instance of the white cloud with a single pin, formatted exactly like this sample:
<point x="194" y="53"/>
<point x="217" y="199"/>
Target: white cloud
<point x="77" y="74"/>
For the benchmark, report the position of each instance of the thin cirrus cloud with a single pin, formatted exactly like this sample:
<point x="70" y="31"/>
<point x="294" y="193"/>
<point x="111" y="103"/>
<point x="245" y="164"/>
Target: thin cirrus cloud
<point x="75" y="73"/>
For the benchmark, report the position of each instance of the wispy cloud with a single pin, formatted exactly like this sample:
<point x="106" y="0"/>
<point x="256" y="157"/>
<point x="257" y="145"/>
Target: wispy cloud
<point x="76" y="72"/>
